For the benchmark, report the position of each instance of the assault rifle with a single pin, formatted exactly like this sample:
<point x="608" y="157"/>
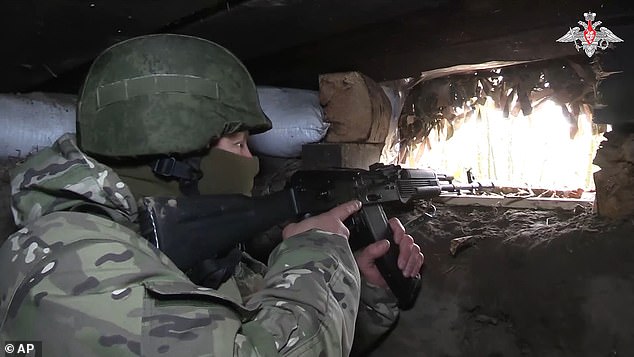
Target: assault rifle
<point x="198" y="228"/>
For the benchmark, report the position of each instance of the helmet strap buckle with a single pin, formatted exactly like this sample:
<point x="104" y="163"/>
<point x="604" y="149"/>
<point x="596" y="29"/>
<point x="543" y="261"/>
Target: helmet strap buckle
<point x="186" y="172"/>
<point x="170" y="167"/>
<point x="164" y="167"/>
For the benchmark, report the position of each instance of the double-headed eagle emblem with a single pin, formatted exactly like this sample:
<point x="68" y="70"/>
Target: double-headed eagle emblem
<point x="589" y="39"/>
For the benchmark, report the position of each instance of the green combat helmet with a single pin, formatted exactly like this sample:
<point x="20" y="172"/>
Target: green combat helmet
<point x="165" y="94"/>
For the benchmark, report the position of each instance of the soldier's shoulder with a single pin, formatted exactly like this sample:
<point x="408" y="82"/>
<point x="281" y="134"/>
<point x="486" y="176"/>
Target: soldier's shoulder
<point x="57" y="234"/>
<point x="67" y="227"/>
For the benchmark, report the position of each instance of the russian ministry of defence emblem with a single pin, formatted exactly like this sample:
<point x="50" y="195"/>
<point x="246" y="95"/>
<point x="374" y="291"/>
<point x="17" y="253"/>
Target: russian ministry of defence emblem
<point x="590" y="39"/>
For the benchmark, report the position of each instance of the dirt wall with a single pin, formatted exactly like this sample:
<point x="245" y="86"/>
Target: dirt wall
<point x="524" y="288"/>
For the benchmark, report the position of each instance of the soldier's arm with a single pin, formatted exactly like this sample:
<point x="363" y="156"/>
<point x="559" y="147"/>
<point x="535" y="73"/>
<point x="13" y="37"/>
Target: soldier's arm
<point x="378" y="313"/>
<point x="84" y="285"/>
<point x="308" y="306"/>
<point x="378" y="310"/>
<point x="310" y="301"/>
<point x="311" y="297"/>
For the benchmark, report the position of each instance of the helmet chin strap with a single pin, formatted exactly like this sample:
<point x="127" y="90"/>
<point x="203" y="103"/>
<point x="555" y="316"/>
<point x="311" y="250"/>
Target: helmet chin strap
<point x="210" y="273"/>
<point x="186" y="171"/>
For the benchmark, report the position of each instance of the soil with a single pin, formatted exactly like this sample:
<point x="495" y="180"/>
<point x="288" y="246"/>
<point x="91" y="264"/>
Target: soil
<point x="522" y="283"/>
<point x="528" y="283"/>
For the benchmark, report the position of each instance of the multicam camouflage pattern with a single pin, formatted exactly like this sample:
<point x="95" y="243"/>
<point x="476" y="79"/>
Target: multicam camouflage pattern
<point x="378" y="312"/>
<point x="97" y="289"/>
<point x="62" y="178"/>
<point x="87" y="285"/>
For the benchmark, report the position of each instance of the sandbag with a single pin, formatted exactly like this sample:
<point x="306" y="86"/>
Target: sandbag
<point x="33" y="121"/>
<point x="356" y="107"/>
<point x="36" y="120"/>
<point x="297" y="119"/>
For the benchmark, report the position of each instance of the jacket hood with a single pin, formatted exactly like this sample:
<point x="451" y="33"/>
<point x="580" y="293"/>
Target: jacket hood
<point x="63" y="178"/>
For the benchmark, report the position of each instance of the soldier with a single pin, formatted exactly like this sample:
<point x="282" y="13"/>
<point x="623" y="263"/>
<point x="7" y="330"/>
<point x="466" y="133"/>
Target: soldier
<point x="169" y="115"/>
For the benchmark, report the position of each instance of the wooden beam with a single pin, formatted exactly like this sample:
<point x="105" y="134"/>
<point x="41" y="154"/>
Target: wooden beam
<point x="423" y="41"/>
<point x="45" y="40"/>
<point x="393" y="62"/>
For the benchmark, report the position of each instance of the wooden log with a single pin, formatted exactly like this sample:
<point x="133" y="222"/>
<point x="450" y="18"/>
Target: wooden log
<point x="348" y="155"/>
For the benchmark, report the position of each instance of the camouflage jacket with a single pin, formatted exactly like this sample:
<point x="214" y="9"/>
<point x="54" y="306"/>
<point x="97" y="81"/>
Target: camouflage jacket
<point x="78" y="277"/>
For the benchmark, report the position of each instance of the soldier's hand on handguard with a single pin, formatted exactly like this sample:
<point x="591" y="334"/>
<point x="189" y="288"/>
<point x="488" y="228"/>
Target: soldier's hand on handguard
<point x="410" y="258"/>
<point x="331" y="221"/>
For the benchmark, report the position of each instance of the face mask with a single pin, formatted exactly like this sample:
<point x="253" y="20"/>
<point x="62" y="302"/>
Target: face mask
<point x="142" y="182"/>
<point x="225" y="172"/>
